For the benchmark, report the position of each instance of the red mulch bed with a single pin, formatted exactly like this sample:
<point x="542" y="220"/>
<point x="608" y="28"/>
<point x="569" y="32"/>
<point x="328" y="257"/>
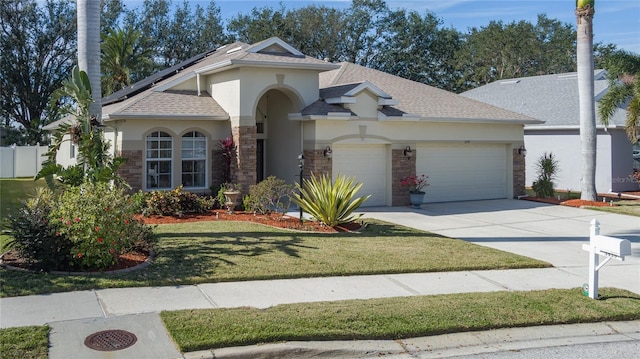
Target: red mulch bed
<point x="274" y="220"/>
<point x="12" y="260"/>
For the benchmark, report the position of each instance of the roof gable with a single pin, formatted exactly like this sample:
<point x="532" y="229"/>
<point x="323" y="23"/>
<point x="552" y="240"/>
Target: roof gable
<point x="274" y="45"/>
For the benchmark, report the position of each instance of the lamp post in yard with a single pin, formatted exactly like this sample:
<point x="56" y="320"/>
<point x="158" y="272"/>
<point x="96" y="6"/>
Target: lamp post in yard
<point x="301" y="166"/>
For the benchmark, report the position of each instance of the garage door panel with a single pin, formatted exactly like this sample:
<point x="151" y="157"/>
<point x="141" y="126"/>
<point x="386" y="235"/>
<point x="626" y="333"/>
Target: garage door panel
<point x="459" y="173"/>
<point x="367" y="163"/>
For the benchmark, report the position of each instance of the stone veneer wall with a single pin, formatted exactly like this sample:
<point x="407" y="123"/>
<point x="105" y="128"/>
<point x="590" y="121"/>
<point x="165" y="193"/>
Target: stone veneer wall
<point x="518" y="173"/>
<point x="243" y="170"/>
<point x="401" y="167"/>
<point x="131" y="170"/>
<point x="316" y="163"/>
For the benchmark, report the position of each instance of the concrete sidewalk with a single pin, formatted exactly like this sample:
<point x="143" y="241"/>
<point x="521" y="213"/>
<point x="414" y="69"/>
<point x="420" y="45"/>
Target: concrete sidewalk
<point x="549" y="233"/>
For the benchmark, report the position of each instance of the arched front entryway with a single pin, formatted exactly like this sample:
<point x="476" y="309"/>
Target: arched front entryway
<point x="278" y="138"/>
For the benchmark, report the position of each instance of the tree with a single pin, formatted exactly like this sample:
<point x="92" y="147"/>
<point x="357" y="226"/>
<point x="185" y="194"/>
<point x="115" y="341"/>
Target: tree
<point x="623" y="69"/>
<point x="95" y="164"/>
<point x="416" y="48"/>
<point x="517" y="49"/>
<point x="38" y="48"/>
<point x="364" y="26"/>
<point x="261" y="24"/>
<point x="317" y="31"/>
<point x="123" y="59"/>
<point x="584" y="12"/>
<point x="89" y="49"/>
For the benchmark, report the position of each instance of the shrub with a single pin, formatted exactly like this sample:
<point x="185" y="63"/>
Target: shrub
<point x="99" y="222"/>
<point x="33" y="235"/>
<point x="176" y="203"/>
<point x="272" y="194"/>
<point x="221" y="199"/>
<point x="327" y="202"/>
<point x="547" y="168"/>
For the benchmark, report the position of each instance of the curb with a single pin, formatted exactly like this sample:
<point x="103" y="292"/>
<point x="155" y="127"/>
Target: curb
<point x="438" y="346"/>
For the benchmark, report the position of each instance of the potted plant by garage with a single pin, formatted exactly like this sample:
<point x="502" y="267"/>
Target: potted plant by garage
<point x="415" y="184"/>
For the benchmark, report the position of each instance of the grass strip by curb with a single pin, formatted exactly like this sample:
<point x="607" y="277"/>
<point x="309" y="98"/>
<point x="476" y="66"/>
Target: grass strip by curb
<point x="24" y="342"/>
<point x="394" y="318"/>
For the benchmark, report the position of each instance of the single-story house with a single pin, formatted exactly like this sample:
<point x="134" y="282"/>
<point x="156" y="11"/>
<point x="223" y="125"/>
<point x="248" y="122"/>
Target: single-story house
<point x="554" y="100"/>
<point x="276" y="103"/>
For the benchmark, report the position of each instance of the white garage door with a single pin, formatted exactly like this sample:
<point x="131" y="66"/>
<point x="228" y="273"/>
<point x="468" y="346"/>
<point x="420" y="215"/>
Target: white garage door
<point x="368" y="164"/>
<point x="459" y="173"/>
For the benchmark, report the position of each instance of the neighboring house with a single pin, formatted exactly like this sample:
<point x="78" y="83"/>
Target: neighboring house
<point x="554" y="99"/>
<point x="277" y="103"/>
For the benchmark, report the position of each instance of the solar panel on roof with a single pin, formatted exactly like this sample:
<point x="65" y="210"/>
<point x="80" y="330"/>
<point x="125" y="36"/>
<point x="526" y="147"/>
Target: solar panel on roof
<point x="147" y="82"/>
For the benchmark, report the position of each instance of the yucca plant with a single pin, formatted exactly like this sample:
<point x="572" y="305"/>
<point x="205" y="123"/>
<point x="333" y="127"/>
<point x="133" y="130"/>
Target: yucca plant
<point x="331" y="203"/>
<point x="547" y="168"/>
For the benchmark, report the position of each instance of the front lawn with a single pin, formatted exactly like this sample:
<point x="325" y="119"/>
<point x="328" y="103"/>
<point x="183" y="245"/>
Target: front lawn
<point x="24" y="342"/>
<point x="204" y="252"/>
<point x="628" y="207"/>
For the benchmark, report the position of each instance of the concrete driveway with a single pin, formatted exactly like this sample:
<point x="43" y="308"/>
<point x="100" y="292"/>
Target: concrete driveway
<point x="551" y="233"/>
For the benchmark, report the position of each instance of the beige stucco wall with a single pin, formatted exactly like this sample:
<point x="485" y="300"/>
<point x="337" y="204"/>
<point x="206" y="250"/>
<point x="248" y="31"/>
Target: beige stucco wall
<point x="412" y="131"/>
<point x="238" y="91"/>
<point x="366" y="106"/>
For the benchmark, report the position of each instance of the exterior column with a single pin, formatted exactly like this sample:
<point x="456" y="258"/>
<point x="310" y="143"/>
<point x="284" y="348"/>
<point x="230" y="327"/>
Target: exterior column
<point x="243" y="169"/>
<point x="401" y="167"/>
<point x="518" y="174"/>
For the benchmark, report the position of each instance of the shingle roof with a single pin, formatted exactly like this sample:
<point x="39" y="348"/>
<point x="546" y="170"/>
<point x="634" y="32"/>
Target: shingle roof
<point x="419" y="99"/>
<point x="551" y="98"/>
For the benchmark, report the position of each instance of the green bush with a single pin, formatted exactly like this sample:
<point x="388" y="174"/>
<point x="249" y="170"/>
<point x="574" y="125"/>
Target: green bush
<point x="547" y="168"/>
<point x="327" y="202"/>
<point x="34" y="237"/>
<point x="270" y="195"/>
<point x="176" y="203"/>
<point x="99" y="222"/>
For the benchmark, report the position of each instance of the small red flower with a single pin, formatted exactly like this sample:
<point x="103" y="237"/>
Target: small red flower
<point x="57" y="234"/>
<point x="79" y="255"/>
<point x="99" y="239"/>
<point x="111" y="251"/>
<point x="77" y="219"/>
<point x="68" y="223"/>
<point x="126" y="221"/>
<point x="97" y="228"/>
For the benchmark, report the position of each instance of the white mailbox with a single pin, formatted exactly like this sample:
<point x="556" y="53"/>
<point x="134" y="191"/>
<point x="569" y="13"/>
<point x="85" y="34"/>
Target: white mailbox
<point x="610" y="246"/>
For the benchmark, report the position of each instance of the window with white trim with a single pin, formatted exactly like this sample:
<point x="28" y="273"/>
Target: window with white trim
<point x="158" y="160"/>
<point x="194" y="160"/>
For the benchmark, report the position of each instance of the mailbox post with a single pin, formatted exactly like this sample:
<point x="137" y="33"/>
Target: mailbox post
<point x="608" y="247"/>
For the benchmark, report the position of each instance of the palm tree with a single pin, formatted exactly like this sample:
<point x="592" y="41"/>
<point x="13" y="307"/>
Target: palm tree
<point x="584" y="12"/>
<point x="95" y="163"/>
<point x="89" y="49"/>
<point x="623" y="69"/>
<point x="122" y="56"/>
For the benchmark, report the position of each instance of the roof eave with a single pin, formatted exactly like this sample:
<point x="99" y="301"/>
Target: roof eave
<point x="154" y="116"/>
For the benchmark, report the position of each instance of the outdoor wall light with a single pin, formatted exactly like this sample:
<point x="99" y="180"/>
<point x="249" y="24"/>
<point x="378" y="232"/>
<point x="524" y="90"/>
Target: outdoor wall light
<point x="522" y="151"/>
<point x="327" y="152"/>
<point x="408" y="152"/>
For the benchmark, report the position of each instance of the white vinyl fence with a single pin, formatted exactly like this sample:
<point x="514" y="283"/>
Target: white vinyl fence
<point x="21" y="161"/>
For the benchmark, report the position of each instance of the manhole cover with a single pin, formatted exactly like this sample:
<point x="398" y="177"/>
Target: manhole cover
<point x="110" y="340"/>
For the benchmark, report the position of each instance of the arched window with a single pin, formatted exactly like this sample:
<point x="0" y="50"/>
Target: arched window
<point x="194" y="160"/>
<point x="158" y="160"/>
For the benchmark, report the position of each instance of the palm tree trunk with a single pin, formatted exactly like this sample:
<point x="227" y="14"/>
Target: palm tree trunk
<point x="89" y="50"/>
<point x="584" y="12"/>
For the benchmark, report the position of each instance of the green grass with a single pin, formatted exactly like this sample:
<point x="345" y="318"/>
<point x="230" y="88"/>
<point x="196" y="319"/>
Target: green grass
<point x="14" y="189"/>
<point x="24" y="343"/>
<point x="217" y="251"/>
<point x="628" y="207"/>
<point x="394" y="318"/>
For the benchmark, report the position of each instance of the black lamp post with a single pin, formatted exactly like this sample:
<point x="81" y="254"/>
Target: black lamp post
<point x="301" y="166"/>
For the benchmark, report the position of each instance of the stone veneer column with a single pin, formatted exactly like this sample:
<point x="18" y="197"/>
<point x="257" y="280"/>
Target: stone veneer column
<point x="243" y="169"/>
<point x="316" y="163"/>
<point x="132" y="170"/>
<point x="518" y="173"/>
<point x="401" y="167"/>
